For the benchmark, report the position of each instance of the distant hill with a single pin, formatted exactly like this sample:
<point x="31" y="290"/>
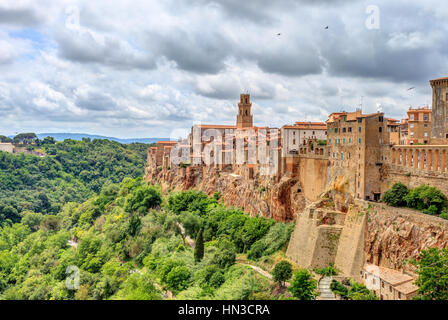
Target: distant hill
<point x="79" y="136"/>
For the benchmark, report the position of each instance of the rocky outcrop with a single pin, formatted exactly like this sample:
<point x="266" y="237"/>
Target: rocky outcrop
<point x="396" y="235"/>
<point x="257" y="194"/>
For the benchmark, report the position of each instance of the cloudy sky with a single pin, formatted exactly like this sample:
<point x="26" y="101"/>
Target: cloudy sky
<point x="153" y="68"/>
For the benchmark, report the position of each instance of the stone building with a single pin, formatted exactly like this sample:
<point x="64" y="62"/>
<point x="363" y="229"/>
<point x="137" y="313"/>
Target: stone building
<point x="419" y="125"/>
<point x="357" y="143"/>
<point x="439" y="131"/>
<point x="296" y="136"/>
<point x="388" y="284"/>
<point x="393" y="128"/>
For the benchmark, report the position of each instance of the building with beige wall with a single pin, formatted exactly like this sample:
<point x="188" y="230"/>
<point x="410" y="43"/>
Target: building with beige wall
<point x="356" y="144"/>
<point x="419" y="125"/>
<point x="388" y="284"/>
<point x="297" y="135"/>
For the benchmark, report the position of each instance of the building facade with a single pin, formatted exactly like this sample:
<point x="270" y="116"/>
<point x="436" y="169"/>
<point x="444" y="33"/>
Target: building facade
<point x="419" y="125"/>
<point x="356" y="145"/>
<point x="296" y="136"/>
<point x="439" y="131"/>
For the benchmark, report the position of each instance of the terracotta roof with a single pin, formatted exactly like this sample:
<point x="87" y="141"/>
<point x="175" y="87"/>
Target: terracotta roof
<point x="167" y="142"/>
<point x="444" y="78"/>
<point x="391" y="276"/>
<point x="304" y="127"/>
<point x="407" y="287"/>
<point x="217" y="126"/>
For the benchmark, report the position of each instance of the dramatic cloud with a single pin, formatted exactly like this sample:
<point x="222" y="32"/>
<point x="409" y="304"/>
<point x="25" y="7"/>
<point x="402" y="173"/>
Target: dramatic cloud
<point x="153" y="68"/>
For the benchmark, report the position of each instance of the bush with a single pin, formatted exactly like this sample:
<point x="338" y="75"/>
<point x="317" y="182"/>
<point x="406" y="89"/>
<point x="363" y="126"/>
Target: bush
<point x="424" y="196"/>
<point x="339" y="289"/>
<point x="256" y="251"/>
<point x="303" y="286"/>
<point x="225" y="255"/>
<point x="143" y="198"/>
<point x="178" y="278"/>
<point x="395" y="196"/>
<point x="328" y="271"/>
<point x="189" y="200"/>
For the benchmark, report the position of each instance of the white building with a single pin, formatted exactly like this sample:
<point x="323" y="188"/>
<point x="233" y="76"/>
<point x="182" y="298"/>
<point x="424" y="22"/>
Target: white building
<point x="294" y="136"/>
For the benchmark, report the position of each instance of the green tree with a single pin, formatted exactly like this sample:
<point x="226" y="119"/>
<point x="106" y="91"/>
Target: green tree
<point x="178" y="278"/>
<point x="282" y="272"/>
<point x="424" y="196"/>
<point x="303" y="286"/>
<point x="143" y="198"/>
<point x="199" y="247"/>
<point x="395" y="196"/>
<point x="225" y="255"/>
<point x="432" y="271"/>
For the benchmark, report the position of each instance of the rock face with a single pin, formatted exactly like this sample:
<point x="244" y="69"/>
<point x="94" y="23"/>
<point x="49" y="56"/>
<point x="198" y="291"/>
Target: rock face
<point x="395" y="235"/>
<point x="259" y="195"/>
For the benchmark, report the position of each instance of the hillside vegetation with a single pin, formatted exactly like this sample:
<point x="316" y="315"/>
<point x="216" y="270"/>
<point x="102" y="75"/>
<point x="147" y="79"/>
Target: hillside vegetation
<point x="127" y="243"/>
<point x="72" y="171"/>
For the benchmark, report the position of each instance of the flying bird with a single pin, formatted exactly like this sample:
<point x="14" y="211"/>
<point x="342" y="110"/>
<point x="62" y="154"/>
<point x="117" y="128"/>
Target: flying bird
<point x="411" y="88"/>
<point x="278" y="34"/>
<point x="326" y="27"/>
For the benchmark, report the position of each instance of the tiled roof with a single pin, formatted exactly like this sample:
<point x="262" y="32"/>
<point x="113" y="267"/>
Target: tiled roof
<point x="391" y="276"/>
<point x="407" y="287"/>
<point x="167" y="142"/>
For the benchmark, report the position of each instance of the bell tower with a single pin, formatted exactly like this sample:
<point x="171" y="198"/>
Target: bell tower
<point x="244" y="118"/>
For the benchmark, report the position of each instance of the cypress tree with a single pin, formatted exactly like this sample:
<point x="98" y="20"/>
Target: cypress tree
<point x="199" y="247"/>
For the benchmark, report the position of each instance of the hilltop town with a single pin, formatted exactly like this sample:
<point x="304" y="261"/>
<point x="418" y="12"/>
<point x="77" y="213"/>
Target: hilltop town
<point x="330" y="177"/>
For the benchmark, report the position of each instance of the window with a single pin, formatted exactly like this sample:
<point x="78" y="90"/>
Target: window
<point x="359" y="140"/>
<point x="446" y="97"/>
<point x="426" y="125"/>
<point x="399" y="295"/>
<point x="380" y="119"/>
<point x="329" y="141"/>
<point x="380" y="129"/>
<point x="359" y="129"/>
<point x="412" y="134"/>
<point x="344" y="140"/>
<point x="344" y="130"/>
<point x="293" y="141"/>
<point x="426" y="134"/>
<point x="335" y="130"/>
<point x="342" y="155"/>
<point x="390" y="288"/>
<point x="411" y="116"/>
<point x="426" y="117"/>
<point x="349" y="129"/>
<point x="349" y="140"/>
<point x="313" y="133"/>
<point x="411" y="125"/>
<point x="293" y="133"/>
<point x="359" y="120"/>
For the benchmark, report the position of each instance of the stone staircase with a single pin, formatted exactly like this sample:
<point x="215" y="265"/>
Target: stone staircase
<point x="325" y="292"/>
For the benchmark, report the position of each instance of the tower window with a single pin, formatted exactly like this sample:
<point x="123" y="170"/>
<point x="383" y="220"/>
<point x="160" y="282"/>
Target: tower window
<point x="380" y="129"/>
<point x="446" y="97"/>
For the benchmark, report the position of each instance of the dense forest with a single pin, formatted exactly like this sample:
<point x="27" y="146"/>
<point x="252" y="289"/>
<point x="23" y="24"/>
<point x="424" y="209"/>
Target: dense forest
<point x="71" y="171"/>
<point x="128" y="242"/>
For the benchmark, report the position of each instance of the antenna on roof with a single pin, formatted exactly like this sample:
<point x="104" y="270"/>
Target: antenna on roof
<point x="360" y="105"/>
